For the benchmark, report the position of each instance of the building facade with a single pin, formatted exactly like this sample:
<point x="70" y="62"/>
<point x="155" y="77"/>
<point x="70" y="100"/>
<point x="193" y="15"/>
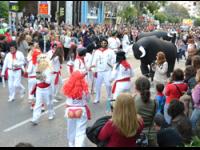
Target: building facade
<point x="92" y="12"/>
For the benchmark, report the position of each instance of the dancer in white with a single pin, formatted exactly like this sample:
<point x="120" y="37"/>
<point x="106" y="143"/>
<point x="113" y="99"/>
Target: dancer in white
<point x="14" y="61"/>
<point x="77" y="112"/>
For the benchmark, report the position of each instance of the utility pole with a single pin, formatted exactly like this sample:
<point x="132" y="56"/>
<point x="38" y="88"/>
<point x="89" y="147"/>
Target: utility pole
<point x="57" y="11"/>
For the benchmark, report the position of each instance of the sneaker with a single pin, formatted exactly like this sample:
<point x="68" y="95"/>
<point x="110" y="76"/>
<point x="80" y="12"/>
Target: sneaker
<point x="51" y="117"/>
<point x="55" y="101"/>
<point x="10" y="100"/>
<point x="22" y="95"/>
<point x="95" y="102"/>
<point x="34" y="123"/>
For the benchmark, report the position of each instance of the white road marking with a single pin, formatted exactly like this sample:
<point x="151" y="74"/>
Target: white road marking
<point x="28" y="120"/>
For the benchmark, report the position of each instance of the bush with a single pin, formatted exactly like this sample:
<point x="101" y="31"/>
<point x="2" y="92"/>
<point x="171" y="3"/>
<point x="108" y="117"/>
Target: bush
<point x="197" y="22"/>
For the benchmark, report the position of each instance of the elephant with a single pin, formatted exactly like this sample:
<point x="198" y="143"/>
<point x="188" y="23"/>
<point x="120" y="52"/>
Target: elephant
<point x="146" y="50"/>
<point x="171" y="36"/>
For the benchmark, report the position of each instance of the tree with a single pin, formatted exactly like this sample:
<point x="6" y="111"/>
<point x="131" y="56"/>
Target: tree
<point x="161" y="17"/>
<point x="128" y="13"/>
<point x="197" y="22"/>
<point x="176" y="11"/>
<point x="4" y="8"/>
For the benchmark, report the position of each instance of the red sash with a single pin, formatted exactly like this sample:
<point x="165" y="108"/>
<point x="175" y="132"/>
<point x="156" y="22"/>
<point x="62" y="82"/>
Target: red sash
<point x="31" y="77"/>
<point x="57" y="77"/>
<point x="122" y="80"/>
<point x="16" y="69"/>
<point x="40" y="85"/>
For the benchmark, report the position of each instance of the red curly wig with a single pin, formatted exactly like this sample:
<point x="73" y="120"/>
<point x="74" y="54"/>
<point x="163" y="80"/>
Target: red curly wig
<point x="36" y="53"/>
<point x="75" y="86"/>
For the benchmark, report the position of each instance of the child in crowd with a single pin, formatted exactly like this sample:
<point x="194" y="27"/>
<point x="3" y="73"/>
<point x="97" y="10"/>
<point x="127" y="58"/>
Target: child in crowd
<point x="160" y="98"/>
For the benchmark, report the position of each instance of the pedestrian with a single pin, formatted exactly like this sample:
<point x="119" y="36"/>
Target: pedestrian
<point x="174" y="89"/>
<point x="160" y="68"/>
<point x="77" y="111"/>
<point x="103" y="62"/>
<point x="146" y="107"/>
<point x="14" y="61"/>
<point x="121" y="75"/>
<point x="79" y="62"/>
<point x="179" y="120"/>
<point x="124" y="126"/>
<point x="31" y="70"/>
<point x="160" y="98"/>
<point x="114" y="42"/>
<point x="43" y="89"/>
<point x="195" y="117"/>
<point x="56" y="63"/>
<point x="23" y="44"/>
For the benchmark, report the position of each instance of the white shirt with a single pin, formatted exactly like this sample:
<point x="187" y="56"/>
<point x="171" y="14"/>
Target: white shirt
<point x="31" y="70"/>
<point x="113" y="43"/>
<point x="121" y="72"/>
<point x="9" y="62"/>
<point x="79" y="66"/>
<point x="104" y="60"/>
<point x="55" y="63"/>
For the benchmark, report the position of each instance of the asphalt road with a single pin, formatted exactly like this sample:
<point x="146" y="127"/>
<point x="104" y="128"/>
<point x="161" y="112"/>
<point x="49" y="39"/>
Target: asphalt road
<point x="15" y="117"/>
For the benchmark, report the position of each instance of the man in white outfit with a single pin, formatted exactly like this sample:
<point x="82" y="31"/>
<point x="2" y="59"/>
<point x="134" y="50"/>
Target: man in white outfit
<point x="114" y="42"/>
<point x="14" y="61"/>
<point x="103" y="61"/>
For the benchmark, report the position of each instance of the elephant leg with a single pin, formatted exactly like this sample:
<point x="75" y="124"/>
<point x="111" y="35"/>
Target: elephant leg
<point x="144" y="69"/>
<point x="151" y="73"/>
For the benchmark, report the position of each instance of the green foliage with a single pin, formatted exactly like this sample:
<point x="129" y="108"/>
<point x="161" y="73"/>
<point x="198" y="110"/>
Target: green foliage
<point x="197" y="22"/>
<point x="128" y="13"/>
<point x="161" y="17"/>
<point x="21" y="5"/>
<point x="177" y="11"/>
<point x="173" y="19"/>
<point x="194" y="143"/>
<point x="153" y="6"/>
<point x="4" y="7"/>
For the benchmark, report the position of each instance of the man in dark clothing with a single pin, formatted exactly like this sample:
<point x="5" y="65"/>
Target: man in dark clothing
<point x="192" y="51"/>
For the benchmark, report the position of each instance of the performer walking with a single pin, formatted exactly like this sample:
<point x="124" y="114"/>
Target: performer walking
<point x="121" y="75"/>
<point x="77" y="112"/>
<point x="43" y="89"/>
<point x="14" y="61"/>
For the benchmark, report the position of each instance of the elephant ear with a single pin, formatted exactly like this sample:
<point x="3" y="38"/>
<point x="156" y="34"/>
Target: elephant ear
<point x="143" y="51"/>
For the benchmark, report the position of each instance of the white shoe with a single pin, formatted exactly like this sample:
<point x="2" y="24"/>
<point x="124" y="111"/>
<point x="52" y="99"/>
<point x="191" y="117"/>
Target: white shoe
<point x="34" y="122"/>
<point x="55" y="101"/>
<point x="10" y="100"/>
<point x="22" y="94"/>
<point x="51" y="117"/>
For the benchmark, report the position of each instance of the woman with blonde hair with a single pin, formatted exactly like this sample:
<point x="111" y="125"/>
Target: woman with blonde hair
<point x="124" y="126"/>
<point x="160" y="68"/>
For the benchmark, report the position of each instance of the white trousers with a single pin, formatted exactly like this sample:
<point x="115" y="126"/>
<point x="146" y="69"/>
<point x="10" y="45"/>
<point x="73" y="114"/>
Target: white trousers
<point x="76" y="129"/>
<point x="121" y="87"/>
<point x="55" y="88"/>
<point x="43" y="95"/>
<point x="31" y="85"/>
<point x="14" y="83"/>
<point x="103" y="77"/>
<point x="91" y="80"/>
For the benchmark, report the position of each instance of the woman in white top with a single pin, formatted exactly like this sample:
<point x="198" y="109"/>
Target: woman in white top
<point x="160" y="67"/>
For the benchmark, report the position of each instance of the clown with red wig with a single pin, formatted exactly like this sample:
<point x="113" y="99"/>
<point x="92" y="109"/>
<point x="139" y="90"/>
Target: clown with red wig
<point x="77" y="111"/>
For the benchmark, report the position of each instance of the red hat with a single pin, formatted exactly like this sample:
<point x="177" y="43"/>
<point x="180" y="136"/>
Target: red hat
<point x="75" y="86"/>
<point x="35" y="54"/>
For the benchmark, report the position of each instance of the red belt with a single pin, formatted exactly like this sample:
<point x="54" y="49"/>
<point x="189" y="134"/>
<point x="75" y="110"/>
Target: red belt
<point x="122" y="80"/>
<point x="16" y="69"/>
<point x="71" y="68"/>
<point x="40" y="85"/>
<point x="88" y="112"/>
<point x="32" y="77"/>
<point x="57" y="77"/>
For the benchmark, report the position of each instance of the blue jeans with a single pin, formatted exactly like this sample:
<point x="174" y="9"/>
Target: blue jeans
<point x="195" y="117"/>
<point x="166" y="116"/>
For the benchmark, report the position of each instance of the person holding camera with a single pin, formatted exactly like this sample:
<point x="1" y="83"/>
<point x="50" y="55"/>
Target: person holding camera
<point x="160" y="67"/>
